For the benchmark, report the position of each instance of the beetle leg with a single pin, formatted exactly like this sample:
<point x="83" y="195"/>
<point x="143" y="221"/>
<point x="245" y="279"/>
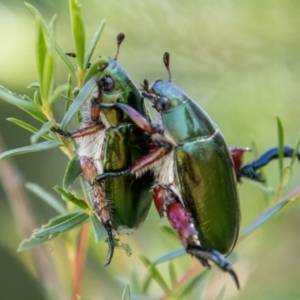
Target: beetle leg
<point x="167" y="203"/>
<point x="250" y="169"/>
<point x="216" y="257"/>
<point x="99" y="202"/>
<point x="93" y="119"/>
<point x="79" y="132"/>
<point x="136" y="117"/>
<point x="159" y="150"/>
<point x="237" y="154"/>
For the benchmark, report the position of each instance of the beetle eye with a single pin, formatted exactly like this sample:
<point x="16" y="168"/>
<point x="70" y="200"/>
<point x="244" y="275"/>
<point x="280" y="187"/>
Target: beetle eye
<point x="107" y="83"/>
<point x="162" y="104"/>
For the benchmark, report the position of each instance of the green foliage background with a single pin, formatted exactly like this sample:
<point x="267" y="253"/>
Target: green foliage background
<point x="239" y="59"/>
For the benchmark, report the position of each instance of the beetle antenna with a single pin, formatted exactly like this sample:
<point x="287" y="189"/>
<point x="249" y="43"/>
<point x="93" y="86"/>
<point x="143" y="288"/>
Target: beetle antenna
<point x="166" y="60"/>
<point x="120" y="39"/>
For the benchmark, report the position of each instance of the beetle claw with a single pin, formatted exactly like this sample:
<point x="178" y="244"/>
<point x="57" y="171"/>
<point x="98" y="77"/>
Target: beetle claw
<point x="110" y="242"/>
<point x="233" y="275"/>
<point x="204" y="256"/>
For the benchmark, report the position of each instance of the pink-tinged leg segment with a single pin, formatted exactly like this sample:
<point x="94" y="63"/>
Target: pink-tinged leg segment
<point x="181" y="222"/>
<point x="136" y="117"/>
<point x="168" y="204"/>
<point x="99" y="201"/>
<point x="97" y="192"/>
<point x="158" y="151"/>
<point x="88" y="169"/>
<point x="237" y="155"/>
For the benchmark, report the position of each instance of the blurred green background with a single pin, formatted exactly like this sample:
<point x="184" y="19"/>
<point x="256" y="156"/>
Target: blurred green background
<point x="239" y="59"/>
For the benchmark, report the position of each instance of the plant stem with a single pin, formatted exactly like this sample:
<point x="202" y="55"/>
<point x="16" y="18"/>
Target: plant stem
<point x="79" y="261"/>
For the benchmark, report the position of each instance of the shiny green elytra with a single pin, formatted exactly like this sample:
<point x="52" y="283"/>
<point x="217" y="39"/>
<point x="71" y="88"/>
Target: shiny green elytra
<point x="203" y="168"/>
<point x="124" y="144"/>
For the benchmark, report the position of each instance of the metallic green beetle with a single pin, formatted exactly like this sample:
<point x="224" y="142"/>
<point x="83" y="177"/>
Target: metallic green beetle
<point x="109" y="140"/>
<point x="195" y="172"/>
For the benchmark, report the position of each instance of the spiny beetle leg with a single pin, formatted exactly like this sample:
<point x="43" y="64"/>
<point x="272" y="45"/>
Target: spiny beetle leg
<point x="136" y="117"/>
<point x="159" y="149"/>
<point x="249" y="170"/>
<point x="99" y="201"/>
<point x="79" y="132"/>
<point x="110" y="242"/>
<point x="167" y="203"/>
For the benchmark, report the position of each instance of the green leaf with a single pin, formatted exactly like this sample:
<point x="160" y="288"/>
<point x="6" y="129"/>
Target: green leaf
<point x="58" y="92"/>
<point x="221" y="293"/>
<point x="72" y="222"/>
<point x="45" y="128"/>
<point x="100" y="232"/>
<point x="93" y="69"/>
<point x="28" y="106"/>
<point x="281" y="145"/>
<point x="84" y="94"/>
<point x="46" y="29"/>
<point x="135" y="281"/>
<point x="48" y="77"/>
<point x="36" y="98"/>
<point x="191" y="285"/>
<point x="72" y="172"/>
<point x="78" y="31"/>
<point x="41" y="52"/>
<point x="168" y="231"/>
<point x="171" y="255"/>
<point x="93" y="43"/>
<point x="47" y="197"/>
<point x="30" y="243"/>
<point x="126" y="293"/>
<point x="27" y="127"/>
<point x="70" y="197"/>
<point x="48" y="74"/>
<point x="267" y="215"/>
<point x="33" y="85"/>
<point x="155" y="274"/>
<point x="296" y="152"/>
<point x="28" y="149"/>
<point x="173" y="274"/>
<point x="286" y="176"/>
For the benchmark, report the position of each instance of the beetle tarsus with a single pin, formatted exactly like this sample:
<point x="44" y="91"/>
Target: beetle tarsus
<point x="113" y="174"/>
<point x="110" y="242"/>
<point x="249" y="170"/>
<point x="204" y="256"/>
<point x="61" y="132"/>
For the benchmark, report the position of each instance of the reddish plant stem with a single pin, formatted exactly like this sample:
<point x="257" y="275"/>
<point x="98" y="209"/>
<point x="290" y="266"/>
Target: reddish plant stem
<point x="79" y="261"/>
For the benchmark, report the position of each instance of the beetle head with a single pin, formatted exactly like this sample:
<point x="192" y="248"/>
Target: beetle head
<point x="111" y="77"/>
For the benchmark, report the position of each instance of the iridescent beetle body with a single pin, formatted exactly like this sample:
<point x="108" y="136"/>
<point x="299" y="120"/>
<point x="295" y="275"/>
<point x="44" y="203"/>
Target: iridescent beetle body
<point x="109" y="140"/>
<point x="195" y="173"/>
